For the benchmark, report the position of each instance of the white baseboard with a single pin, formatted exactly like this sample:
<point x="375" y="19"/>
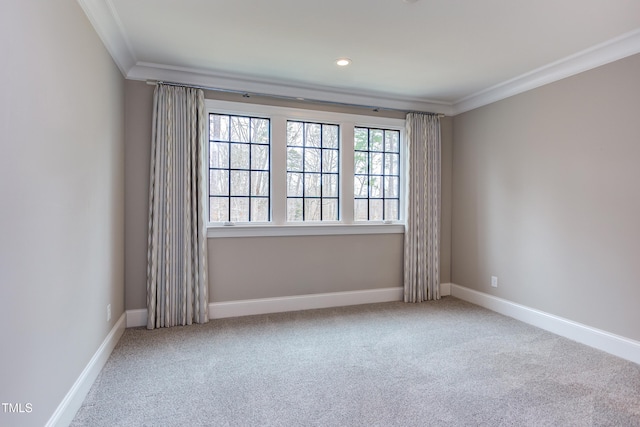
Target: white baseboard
<point x="73" y="400"/>
<point x="218" y="310"/>
<point x="625" y="348"/>
<point x="136" y="318"/>
<point x="445" y="289"/>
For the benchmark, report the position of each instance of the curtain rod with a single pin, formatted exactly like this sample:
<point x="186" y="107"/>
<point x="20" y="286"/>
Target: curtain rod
<point x="246" y="94"/>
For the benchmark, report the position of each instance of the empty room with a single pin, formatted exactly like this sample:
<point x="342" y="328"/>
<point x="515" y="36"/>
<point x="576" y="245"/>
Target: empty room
<point x="336" y="213"/>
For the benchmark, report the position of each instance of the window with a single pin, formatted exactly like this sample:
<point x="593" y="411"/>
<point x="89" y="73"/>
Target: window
<point x="277" y="171"/>
<point x="376" y="174"/>
<point x="239" y="177"/>
<point x="312" y="171"/>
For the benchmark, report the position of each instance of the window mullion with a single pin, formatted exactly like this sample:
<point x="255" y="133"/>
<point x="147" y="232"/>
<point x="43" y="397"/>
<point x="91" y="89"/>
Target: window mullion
<point x="250" y="168"/>
<point x="304" y="171"/>
<point x="279" y="169"/>
<point x="384" y="194"/>
<point x="322" y="216"/>
<point x="229" y="171"/>
<point x="346" y="171"/>
<point x="368" y="174"/>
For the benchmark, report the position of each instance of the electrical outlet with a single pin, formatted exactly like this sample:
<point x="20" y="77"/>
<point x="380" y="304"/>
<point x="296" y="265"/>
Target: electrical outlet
<point x="494" y="281"/>
<point x="108" y="312"/>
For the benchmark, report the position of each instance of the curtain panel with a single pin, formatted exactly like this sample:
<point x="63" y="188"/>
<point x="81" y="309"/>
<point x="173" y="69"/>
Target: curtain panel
<point x="422" y="234"/>
<point x="177" y="285"/>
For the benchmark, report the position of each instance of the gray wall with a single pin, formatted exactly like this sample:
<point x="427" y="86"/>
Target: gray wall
<point x="546" y="196"/>
<point x="245" y="268"/>
<point x="264" y="267"/>
<point x="138" y="111"/>
<point x="62" y="195"/>
<point x="446" y="131"/>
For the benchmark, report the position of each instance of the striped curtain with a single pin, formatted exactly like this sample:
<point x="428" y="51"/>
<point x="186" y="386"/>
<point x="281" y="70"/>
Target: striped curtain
<point x="177" y="285"/>
<point x="422" y="234"/>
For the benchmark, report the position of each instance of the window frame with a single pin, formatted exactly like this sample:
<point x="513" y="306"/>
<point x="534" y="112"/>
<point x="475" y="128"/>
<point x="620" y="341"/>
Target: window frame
<point x="321" y="173"/>
<point x="279" y="226"/>
<point x="383" y="175"/>
<point x="230" y="168"/>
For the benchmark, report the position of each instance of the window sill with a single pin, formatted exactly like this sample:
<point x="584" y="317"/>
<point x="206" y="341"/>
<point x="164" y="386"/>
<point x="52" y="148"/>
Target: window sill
<point x="255" y="230"/>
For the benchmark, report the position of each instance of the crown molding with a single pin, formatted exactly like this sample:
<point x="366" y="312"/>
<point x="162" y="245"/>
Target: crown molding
<point x="105" y="21"/>
<point x="612" y="50"/>
<point x="222" y="81"/>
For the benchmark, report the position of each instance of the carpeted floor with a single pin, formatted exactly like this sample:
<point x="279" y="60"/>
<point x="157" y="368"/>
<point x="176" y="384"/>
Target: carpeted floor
<point x="443" y="363"/>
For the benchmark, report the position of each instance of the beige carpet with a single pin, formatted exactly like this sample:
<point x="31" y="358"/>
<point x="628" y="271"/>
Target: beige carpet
<point x="443" y="363"/>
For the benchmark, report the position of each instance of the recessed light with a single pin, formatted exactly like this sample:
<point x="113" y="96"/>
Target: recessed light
<point x="410" y="1"/>
<point x="343" y="62"/>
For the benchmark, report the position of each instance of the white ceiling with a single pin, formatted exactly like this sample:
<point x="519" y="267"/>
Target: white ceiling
<point x="446" y="56"/>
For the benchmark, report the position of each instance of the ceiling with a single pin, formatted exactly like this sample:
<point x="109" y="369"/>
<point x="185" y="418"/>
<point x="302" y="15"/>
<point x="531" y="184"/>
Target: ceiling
<point x="445" y="56"/>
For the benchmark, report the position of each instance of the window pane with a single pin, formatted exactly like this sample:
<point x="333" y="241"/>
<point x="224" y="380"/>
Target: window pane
<point x="312" y="160"/>
<point x="294" y="159"/>
<point x="218" y="182"/>
<point x="330" y="185"/>
<point x="239" y="169"/>
<point x="376" y="142"/>
<point x="294" y="209"/>
<point x="375" y="210"/>
<point x="330" y="136"/>
<point x="360" y="208"/>
<point x="375" y="187"/>
<point x="239" y="156"/>
<point x="218" y="155"/>
<point x="294" y="133"/>
<point x="239" y="183"/>
<point x="360" y="162"/>
<point x="391" y="186"/>
<point x="330" y="209"/>
<point x="312" y="137"/>
<point x="391" y="209"/>
<point x="260" y="157"/>
<point x="218" y="209"/>
<point x="260" y="131"/>
<point x="239" y="209"/>
<point x="361" y="139"/>
<point x="375" y="167"/>
<point x="239" y="129"/>
<point x="392" y="141"/>
<point x="377" y="174"/>
<point x="312" y="210"/>
<point x="260" y="183"/>
<point x="312" y="185"/>
<point x="312" y="170"/>
<point x="294" y="184"/>
<point x="260" y="209"/>
<point x="218" y="127"/>
<point x="360" y="186"/>
<point x="391" y="164"/>
<point x="330" y="161"/>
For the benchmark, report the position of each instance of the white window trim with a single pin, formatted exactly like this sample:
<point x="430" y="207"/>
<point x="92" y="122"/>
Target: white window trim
<point x="302" y="229"/>
<point x="279" y="225"/>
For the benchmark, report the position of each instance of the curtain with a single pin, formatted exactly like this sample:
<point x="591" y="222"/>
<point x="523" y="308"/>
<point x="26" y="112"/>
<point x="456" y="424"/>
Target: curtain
<point x="177" y="285"/>
<point x="422" y="234"/>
